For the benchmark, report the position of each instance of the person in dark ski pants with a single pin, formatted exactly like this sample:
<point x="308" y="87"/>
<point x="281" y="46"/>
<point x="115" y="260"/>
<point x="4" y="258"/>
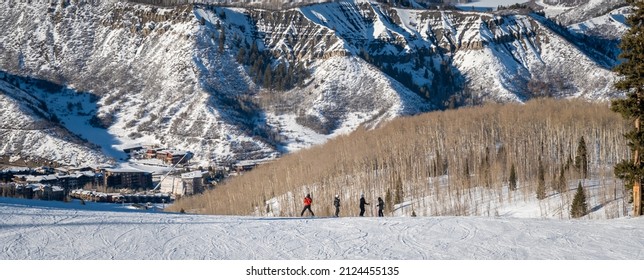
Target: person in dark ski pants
<point x="363" y="202"/>
<point x="381" y="206"/>
<point x="307" y="205"/>
<point x="336" y="203"/>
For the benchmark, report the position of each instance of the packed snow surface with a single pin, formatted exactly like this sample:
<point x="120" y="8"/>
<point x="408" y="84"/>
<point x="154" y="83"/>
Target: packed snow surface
<point x="32" y="229"/>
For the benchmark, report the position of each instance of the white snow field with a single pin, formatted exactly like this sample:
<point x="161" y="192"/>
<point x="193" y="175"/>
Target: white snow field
<point x="39" y="230"/>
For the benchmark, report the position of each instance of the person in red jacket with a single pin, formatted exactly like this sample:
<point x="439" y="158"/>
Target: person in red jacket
<point x="307" y="205"/>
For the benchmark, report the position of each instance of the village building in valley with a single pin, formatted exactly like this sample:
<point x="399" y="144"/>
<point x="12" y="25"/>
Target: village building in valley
<point x="186" y="184"/>
<point x="127" y="178"/>
<point x="135" y="181"/>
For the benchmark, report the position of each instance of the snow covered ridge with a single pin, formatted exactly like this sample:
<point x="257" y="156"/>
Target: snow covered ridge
<point x="178" y="75"/>
<point x="277" y="4"/>
<point x="239" y="3"/>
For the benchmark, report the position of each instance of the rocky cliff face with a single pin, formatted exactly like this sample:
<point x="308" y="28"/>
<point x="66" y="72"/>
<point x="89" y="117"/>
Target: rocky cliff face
<point x="232" y="83"/>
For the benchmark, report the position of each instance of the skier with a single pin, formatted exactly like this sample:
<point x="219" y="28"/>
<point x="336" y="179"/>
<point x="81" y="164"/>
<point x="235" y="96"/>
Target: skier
<point x="336" y="203"/>
<point x="307" y="205"/>
<point x="363" y="202"/>
<point x="381" y="205"/>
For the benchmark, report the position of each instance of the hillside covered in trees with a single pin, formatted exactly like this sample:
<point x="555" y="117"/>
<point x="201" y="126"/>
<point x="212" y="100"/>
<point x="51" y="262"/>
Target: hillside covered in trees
<point x="468" y="161"/>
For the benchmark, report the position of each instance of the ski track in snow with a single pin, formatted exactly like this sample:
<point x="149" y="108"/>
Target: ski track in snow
<point x="48" y="234"/>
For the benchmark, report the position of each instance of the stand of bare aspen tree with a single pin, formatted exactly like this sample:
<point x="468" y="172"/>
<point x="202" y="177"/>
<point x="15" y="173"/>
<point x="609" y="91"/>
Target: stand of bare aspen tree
<point x="441" y="163"/>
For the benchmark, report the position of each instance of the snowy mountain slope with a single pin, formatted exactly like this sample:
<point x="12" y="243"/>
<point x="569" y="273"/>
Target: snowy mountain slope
<point x="139" y="59"/>
<point x="502" y="57"/>
<point x="589" y="10"/>
<point x="29" y="130"/>
<point x="611" y="25"/>
<point x="352" y="93"/>
<point x="69" y="231"/>
<point x="226" y="83"/>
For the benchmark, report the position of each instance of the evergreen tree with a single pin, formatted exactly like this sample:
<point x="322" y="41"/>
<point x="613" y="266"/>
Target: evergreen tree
<point x="254" y="53"/>
<point x="541" y="181"/>
<point x="222" y="40"/>
<point x="561" y="183"/>
<point x="485" y="164"/>
<point x="280" y="76"/>
<point x="398" y="188"/>
<point x="632" y="107"/>
<point x="579" y="207"/>
<point x="581" y="159"/>
<point x="513" y="178"/>
<point x="569" y="162"/>
<point x="268" y="77"/>
<point x="466" y="173"/>
<point x="389" y="201"/>
<point x="257" y="69"/>
<point x="241" y="56"/>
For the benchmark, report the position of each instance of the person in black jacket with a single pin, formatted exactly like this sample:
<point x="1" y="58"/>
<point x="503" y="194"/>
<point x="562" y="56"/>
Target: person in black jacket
<point x="381" y="206"/>
<point x="363" y="202"/>
<point x="336" y="203"/>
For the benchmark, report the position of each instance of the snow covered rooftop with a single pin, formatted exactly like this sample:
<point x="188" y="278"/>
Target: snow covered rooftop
<point x="41" y="178"/>
<point x="16" y="169"/>
<point x="193" y="174"/>
<point x="125" y="170"/>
